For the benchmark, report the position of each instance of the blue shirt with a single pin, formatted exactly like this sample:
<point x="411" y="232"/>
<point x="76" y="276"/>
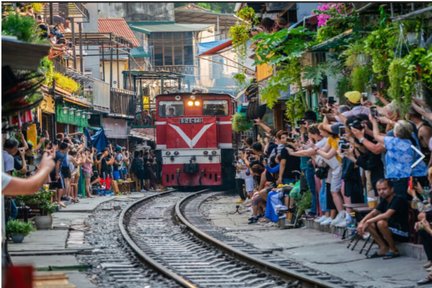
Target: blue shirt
<point x="398" y="157"/>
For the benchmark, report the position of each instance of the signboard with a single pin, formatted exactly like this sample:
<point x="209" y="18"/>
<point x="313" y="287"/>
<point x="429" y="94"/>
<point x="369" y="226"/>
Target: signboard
<point x="146" y="102"/>
<point x="191" y="120"/>
<point x="263" y="71"/>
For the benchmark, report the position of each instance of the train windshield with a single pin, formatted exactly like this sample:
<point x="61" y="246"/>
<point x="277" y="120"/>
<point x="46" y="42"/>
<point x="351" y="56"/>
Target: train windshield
<point x="171" y="108"/>
<point x="215" y="107"/>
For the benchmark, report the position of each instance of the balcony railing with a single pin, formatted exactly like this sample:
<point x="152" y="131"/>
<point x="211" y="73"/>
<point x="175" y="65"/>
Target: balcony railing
<point x="122" y="103"/>
<point x="182" y="69"/>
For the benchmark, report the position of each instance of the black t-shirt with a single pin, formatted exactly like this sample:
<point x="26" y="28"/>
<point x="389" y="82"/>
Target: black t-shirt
<point x="400" y="217"/>
<point x="105" y="168"/>
<point x="292" y="163"/>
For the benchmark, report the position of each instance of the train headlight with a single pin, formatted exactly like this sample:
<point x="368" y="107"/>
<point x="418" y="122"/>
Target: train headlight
<point x="205" y="152"/>
<point x="176" y="153"/>
<point x="197" y="103"/>
<point x="214" y="152"/>
<point x="190" y="103"/>
<point x="167" y="153"/>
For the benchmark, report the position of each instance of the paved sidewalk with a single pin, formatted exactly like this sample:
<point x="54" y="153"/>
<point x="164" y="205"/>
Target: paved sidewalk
<point x="56" y="249"/>
<point x="316" y="249"/>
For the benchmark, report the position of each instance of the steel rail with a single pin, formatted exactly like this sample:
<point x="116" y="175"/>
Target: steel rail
<point x="144" y="256"/>
<point x="261" y="264"/>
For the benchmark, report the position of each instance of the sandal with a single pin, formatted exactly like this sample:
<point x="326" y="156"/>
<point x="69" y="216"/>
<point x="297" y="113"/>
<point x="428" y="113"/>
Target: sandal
<point x="391" y="255"/>
<point x="376" y="255"/>
<point x="426" y="280"/>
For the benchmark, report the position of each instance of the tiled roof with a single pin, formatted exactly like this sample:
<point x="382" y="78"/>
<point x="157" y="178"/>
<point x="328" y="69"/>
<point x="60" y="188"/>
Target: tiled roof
<point x="118" y="27"/>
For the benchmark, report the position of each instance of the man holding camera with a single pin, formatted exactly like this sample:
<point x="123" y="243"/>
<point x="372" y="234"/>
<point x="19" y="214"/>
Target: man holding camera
<point x="388" y="222"/>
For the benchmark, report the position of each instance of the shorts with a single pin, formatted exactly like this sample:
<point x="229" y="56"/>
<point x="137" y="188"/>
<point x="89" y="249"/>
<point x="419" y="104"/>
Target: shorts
<point x="116" y="175"/>
<point x="59" y="184"/>
<point x="65" y="172"/>
<point x="87" y="174"/>
<point x="335" y="179"/>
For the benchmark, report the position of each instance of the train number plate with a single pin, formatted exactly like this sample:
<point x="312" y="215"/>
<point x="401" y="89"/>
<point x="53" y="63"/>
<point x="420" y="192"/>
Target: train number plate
<point x="191" y="120"/>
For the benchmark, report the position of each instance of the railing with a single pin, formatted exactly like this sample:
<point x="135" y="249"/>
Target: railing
<point x="182" y="69"/>
<point x="122" y="103"/>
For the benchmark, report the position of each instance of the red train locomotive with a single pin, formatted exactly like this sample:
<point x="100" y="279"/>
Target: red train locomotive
<point x="194" y="139"/>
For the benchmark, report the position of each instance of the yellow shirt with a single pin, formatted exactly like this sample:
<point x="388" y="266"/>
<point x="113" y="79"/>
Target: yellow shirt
<point x="334" y="142"/>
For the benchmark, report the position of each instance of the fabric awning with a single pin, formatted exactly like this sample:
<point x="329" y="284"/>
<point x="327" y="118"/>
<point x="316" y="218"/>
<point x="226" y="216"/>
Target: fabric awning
<point x="213" y="47"/>
<point x="155" y="27"/>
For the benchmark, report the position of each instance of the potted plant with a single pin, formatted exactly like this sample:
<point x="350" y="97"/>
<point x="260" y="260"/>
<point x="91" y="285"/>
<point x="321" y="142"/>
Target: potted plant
<point x="18" y="229"/>
<point x="41" y="201"/>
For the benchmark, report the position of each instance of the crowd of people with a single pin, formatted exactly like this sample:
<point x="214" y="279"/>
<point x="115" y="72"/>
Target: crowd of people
<point x="75" y="159"/>
<point x="357" y="152"/>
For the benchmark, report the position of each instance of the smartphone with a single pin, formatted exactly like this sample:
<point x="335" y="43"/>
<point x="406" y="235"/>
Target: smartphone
<point x="331" y="100"/>
<point x="341" y="130"/>
<point x="373" y="111"/>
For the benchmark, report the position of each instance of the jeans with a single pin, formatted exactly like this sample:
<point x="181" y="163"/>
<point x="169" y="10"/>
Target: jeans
<point x="323" y="196"/>
<point x="309" y="173"/>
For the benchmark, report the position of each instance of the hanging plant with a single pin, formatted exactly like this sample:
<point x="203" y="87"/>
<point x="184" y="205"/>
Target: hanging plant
<point x="46" y="67"/>
<point x="239" y="34"/>
<point x="343" y="85"/>
<point x="360" y="77"/>
<point x="248" y="14"/>
<point x="240" y="78"/>
<point x="396" y="75"/>
<point x="295" y="108"/>
<point x="240" y="123"/>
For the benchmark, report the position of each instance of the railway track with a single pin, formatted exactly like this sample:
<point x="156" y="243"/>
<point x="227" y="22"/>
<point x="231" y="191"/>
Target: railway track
<point x="167" y="231"/>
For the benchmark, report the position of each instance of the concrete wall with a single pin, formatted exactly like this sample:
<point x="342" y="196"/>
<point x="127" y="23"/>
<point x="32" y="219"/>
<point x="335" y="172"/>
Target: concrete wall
<point x="137" y="11"/>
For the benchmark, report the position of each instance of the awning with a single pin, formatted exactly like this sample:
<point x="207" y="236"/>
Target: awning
<point x="143" y="133"/>
<point x="213" y="47"/>
<point x="336" y="41"/>
<point x="155" y="27"/>
<point x="139" y="52"/>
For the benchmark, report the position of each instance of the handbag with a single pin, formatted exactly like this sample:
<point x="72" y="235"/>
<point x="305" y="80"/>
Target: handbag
<point x="321" y="172"/>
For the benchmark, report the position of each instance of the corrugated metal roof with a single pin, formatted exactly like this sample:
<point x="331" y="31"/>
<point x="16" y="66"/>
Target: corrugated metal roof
<point x="118" y="27"/>
<point x="167" y="27"/>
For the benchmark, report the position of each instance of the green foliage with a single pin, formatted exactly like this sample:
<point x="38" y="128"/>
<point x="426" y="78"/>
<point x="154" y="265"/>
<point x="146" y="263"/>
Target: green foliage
<point x="248" y="14"/>
<point x="380" y="45"/>
<point x="360" y="77"/>
<point x="240" y="123"/>
<point x="336" y="26"/>
<point x="352" y="53"/>
<point x="239" y="34"/>
<point x="18" y="227"/>
<point x="23" y="27"/>
<point x="343" y="85"/>
<point x="66" y="83"/>
<point x="240" y="78"/>
<point x="396" y="74"/>
<point x="41" y="199"/>
<point x="295" y="108"/>
<point x="305" y="202"/>
<point x="46" y="67"/>
<point x="318" y="72"/>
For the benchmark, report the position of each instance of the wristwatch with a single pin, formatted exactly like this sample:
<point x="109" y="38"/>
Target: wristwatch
<point x="361" y="140"/>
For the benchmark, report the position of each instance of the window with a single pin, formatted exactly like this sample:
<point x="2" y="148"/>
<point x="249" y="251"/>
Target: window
<point x="172" y="48"/>
<point x="215" y="107"/>
<point x="171" y="108"/>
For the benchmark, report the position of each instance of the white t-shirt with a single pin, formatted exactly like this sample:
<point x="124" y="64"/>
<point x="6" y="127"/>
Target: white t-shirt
<point x="333" y="163"/>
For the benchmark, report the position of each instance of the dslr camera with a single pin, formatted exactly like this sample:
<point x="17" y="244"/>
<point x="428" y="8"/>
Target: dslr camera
<point x="344" y="144"/>
<point x="357" y="124"/>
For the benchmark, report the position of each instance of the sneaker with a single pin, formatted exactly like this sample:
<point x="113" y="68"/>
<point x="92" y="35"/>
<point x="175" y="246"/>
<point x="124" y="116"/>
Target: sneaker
<point x="326" y="221"/>
<point x="320" y="219"/>
<point x="342" y="223"/>
<point x="340" y="215"/>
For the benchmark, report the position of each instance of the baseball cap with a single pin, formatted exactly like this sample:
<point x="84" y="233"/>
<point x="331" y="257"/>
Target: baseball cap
<point x="353" y="96"/>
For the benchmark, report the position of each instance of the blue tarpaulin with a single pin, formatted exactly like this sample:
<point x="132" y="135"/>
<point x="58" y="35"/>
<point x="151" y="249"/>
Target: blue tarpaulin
<point x="204" y="47"/>
<point x="98" y="140"/>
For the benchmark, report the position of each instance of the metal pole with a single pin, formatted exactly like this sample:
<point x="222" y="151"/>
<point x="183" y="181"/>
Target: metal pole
<point x="118" y="67"/>
<point x="103" y="63"/>
<point x="111" y="59"/>
<point x="81" y="49"/>
<point x="129" y="68"/>
<point x="73" y="43"/>
<point x="51" y="13"/>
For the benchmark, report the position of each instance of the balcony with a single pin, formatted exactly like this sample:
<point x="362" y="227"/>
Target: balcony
<point x="181" y="69"/>
<point x="122" y="103"/>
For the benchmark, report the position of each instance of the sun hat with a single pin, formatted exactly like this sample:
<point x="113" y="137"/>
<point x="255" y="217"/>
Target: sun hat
<point x="353" y="96"/>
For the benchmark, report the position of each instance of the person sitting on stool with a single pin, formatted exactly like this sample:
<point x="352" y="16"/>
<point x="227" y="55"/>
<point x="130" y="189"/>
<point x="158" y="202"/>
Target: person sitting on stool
<point x="387" y="222"/>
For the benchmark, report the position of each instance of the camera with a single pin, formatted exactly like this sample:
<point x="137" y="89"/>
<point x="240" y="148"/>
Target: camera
<point x="341" y="130"/>
<point x="344" y="144"/>
<point x="301" y="122"/>
<point x="374" y="111"/>
<point x="356" y="124"/>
